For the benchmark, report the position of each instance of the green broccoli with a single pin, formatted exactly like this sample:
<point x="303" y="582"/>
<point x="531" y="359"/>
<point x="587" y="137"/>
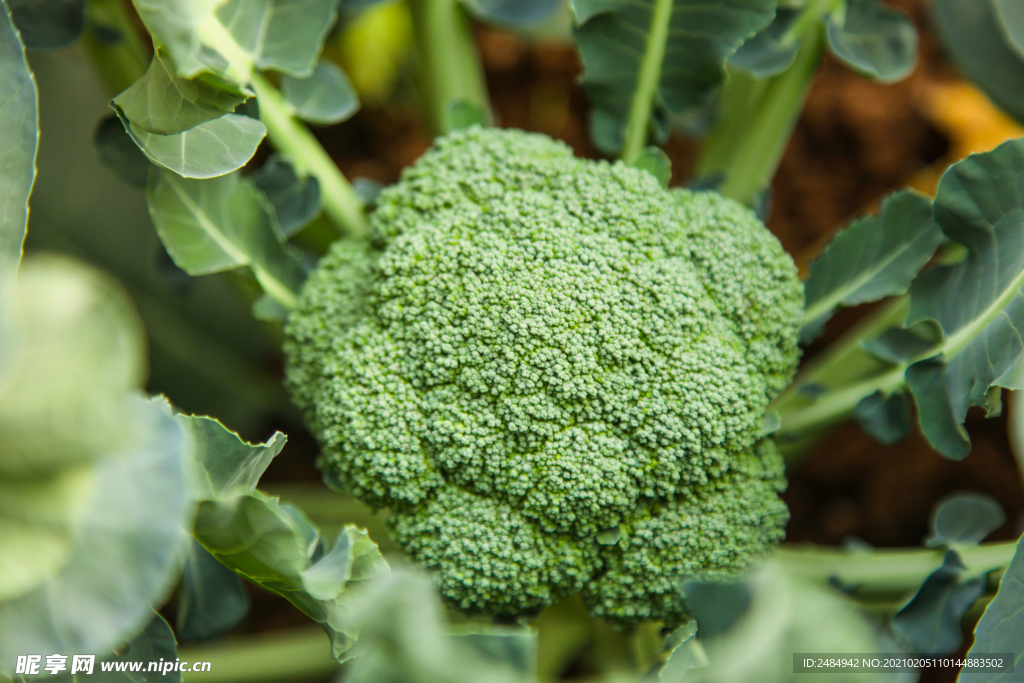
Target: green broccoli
<point x="554" y="373"/>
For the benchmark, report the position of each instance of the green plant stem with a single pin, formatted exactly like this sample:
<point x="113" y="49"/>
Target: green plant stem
<point x="844" y="362"/>
<point x="450" y="69"/>
<point x="839" y="404"/>
<point x="647" y="82"/>
<point x="294" y="140"/>
<point x="297" y="654"/>
<point x="758" y="117"/>
<point x="121" y="62"/>
<point x="888" y="572"/>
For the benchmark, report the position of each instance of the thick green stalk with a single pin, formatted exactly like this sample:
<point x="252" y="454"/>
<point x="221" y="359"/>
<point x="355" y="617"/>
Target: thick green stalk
<point x="293" y="139"/>
<point x="839" y="404"/>
<point x="888" y="571"/>
<point x="297" y="654"/>
<point x="753" y="162"/>
<point x="647" y="82"/>
<point x="450" y="69"/>
<point x="757" y="117"/>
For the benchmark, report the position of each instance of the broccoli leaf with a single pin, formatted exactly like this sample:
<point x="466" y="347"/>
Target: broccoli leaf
<point x="233" y="38"/>
<point x="877" y="256"/>
<point x="48" y="24"/>
<point x="656" y="162"/>
<point x="930" y="622"/>
<point x="18" y="141"/>
<point x="126" y="549"/>
<point x="935" y="412"/>
<point x="119" y="153"/>
<point x="618" y="39"/>
<point x="887" y="419"/>
<point x="402" y="637"/>
<point x="155" y="643"/>
<point x="1000" y="626"/>
<point x="276" y="547"/>
<point x="1010" y="15"/>
<point x="272" y="544"/>
<point x="211" y="149"/>
<point x="211" y="598"/>
<point x="325" y="97"/>
<point x="786" y="613"/>
<point x="219" y="224"/>
<point x="164" y="104"/>
<point x="977" y="301"/>
<point x="768" y="53"/>
<point x="965" y="519"/>
<point x="970" y="32"/>
<point x="873" y="40"/>
<point x="227" y="465"/>
<point x="296" y="200"/>
<point x="512" y="13"/>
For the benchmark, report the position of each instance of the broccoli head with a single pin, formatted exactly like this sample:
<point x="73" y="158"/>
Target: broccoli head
<point x="554" y="373"/>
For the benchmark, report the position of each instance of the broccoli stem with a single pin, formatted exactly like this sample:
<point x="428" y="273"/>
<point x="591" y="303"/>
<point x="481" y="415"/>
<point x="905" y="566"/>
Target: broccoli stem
<point x="887" y="572"/>
<point x="307" y="155"/>
<point x="842" y="363"/>
<point x="450" y="69"/>
<point x="647" y="82"/>
<point x="295" y="654"/>
<point x="758" y="116"/>
<point x="808" y="416"/>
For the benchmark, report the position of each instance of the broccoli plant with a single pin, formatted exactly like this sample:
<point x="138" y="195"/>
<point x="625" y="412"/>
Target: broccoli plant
<point x="554" y="400"/>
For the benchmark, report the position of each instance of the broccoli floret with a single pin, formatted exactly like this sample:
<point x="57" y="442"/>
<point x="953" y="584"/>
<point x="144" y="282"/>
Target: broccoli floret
<point x="553" y="372"/>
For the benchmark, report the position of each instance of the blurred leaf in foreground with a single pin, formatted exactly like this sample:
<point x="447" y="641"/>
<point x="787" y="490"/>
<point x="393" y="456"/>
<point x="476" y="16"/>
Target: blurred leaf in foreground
<point x="19" y="138"/>
<point x="93" y="497"/>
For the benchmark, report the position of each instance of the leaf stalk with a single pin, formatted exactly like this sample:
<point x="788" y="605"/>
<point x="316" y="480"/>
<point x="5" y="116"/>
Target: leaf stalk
<point x="294" y="140"/>
<point x="647" y="84"/>
<point x="450" y="69"/>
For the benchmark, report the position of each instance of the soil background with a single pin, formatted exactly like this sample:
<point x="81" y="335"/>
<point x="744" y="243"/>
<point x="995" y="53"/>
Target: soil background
<point x="856" y="141"/>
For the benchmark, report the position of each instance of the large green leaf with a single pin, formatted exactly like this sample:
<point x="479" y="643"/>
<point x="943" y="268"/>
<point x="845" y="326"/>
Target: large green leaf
<point x="977" y="301"/>
<point x="220" y="224"/>
<point x="72" y="347"/>
<point x="19" y="138"/>
<point x="786" y="614"/>
<point x="127" y="546"/>
<point x="211" y="149"/>
<point x="686" y="53"/>
<point x="276" y="547"/>
<point x="930" y="622"/>
<point x="227" y="465"/>
<point x="324" y="97"/>
<point x="874" y="40"/>
<point x="70" y="352"/>
<point x="1000" y="627"/>
<point x="160" y="102"/>
<point x="272" y="544"/>
<point x="232" y="37"/>
<point x="875" y="257"/>
<point x="972" y="37"/>
<point x="211" y="598"/>
<point x="402" y="637"/>
<point x="1010" y="15"/>
<point x="48" y="24"/>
